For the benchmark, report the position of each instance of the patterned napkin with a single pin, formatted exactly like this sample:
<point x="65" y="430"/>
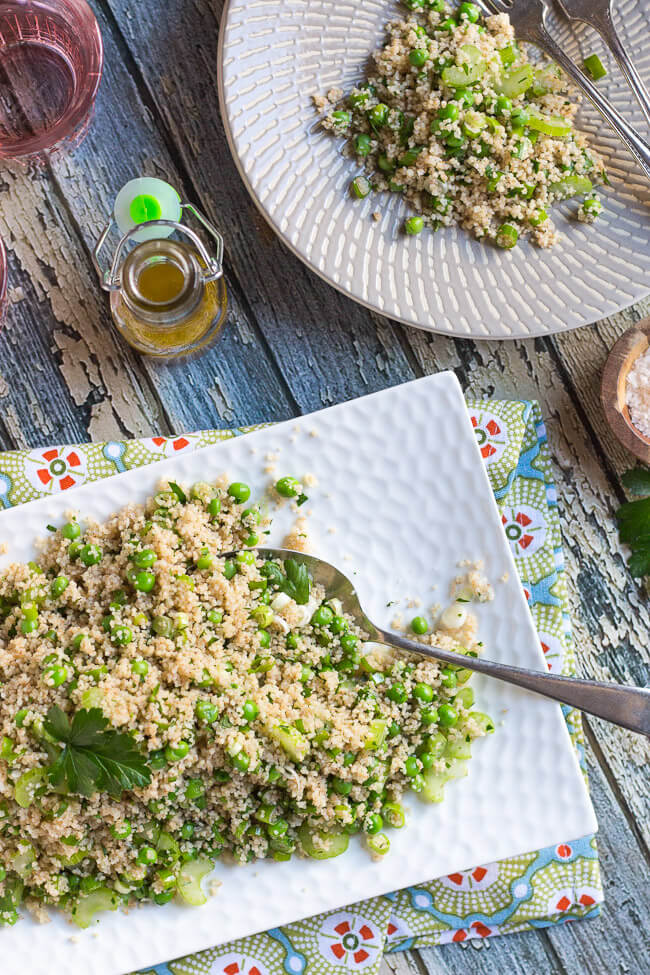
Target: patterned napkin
<point x="537" y="889"/>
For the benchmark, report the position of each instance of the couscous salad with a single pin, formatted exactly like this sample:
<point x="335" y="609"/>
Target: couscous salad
<point x="163" y="706"/>
<point x="455" y="118"/>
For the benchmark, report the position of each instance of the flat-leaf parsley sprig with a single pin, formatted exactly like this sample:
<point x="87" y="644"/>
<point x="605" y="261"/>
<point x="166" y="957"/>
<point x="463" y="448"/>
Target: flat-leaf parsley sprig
<point x="94" y="759"/>
<point x="633" y="519"/>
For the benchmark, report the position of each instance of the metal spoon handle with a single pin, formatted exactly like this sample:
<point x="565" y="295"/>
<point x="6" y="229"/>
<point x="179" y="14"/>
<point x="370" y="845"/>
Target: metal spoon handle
<point x="639" y="148"/>
<point x="628" y="707"/>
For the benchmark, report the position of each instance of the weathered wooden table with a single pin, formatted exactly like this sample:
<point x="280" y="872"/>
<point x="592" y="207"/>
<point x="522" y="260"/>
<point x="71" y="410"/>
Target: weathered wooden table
<point x="294" y="345"/>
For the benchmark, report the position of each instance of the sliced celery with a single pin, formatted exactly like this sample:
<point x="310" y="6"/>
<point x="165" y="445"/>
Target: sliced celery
<point x="88" y="905"/>
<point x="189" y="881"/>
<point x="554" y="125"/>
<point x="295" y="744"/>
<point x="377" y="734"/>
<point x="570" y="185"/>
<point x="27" y="784"/>
<point x="516" y="81"/>
<point x="468" y="72"/>
<point x="329" y="845"/>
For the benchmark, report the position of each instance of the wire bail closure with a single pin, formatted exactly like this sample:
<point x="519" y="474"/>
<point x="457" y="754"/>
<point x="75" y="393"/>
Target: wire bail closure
<point x="110" y="279"/>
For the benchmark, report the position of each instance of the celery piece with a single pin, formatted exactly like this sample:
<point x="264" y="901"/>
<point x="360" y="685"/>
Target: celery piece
<point x="88" y="905"/>
<point x="294" y="743"/>
<point x="329" y="845"/>
<point x="189" y="880"/>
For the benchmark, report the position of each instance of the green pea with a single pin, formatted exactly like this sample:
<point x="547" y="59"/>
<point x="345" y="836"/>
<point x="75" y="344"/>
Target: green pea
<point x="239" y="491"/>
<point x="448" y="677"/>
<point x="147" y="855"/>
<point x="163" y="626"/>
<point x="362" y="144"/>
<point x="57" y="675"/>
<point x="338" y="624"/>
<point x="502" y="105"/>
<point x="349" y="642"/>
<point x="419" y="625"/>
<point x="373" y="823"/>
<point x="413" y="226"/>
<point x="465" y="97"/>
<point x="143" y="581"/>
<point x="59" y="586"/>
<point x="470" y="11"/>
<point x="278" y="829"/>
<point x="177" y="752"/>
<point x="206" y="711"/>
<point x="289" y="487"/>
<point x="341" y="119"/>
<point x="264" y="638"/>
<point x="193" y="790"/>
<point x="145" y="559"/>
<point x="205" y="560"/>
<point x="507" y="236"/>
<point x="322" y="616"/>
<point x="423" y="692"/>
<point x="229" y="569"/>
<point x="250" y="710"/>
<point x="447" y="715"/>
<point x="427" y="760"/>
<point x="121" y="635"/>
<point x="252" y="539"/>
<point x="411" y="766"/>
<point x="90" y="555"/>
<point x="140" y="668"/>
<point x="418" y="57"/>
<point x="71" y="531"/>
<point x="448" y="24"/>
<point x="428" y="716"/>
<point x="121" y="830"/>
<point x="214" y="507"/>
<point x="397" y="693"/>
<point x="341" y="787"/>
<point x="246" y="558"/>
<point x="167" y="879"/>
<point x="378" y="115"/>
<point x="215" y="616"/>
<point x="538" y="217"/>
<point x="241" y="761"/>
<point x="449" y="111"/>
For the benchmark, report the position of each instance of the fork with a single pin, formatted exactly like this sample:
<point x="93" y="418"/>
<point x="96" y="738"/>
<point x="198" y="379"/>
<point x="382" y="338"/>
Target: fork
<point x="628" y="707"/>
<point x="528" y="17"/>
<point x="598" y="14"/>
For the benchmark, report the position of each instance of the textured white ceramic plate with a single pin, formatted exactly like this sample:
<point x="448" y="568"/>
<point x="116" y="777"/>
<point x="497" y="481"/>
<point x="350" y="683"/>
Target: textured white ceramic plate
<point x="402" y="481"/>
<point x="275" y="54"/>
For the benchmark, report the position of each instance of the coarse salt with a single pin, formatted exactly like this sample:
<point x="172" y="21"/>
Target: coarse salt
<point x="637" y="393"/>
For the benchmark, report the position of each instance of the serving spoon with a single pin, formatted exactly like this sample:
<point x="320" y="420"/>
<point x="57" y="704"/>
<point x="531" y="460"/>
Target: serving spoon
<point x="628" y="707"/>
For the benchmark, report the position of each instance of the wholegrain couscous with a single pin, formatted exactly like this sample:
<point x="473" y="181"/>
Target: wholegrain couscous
<point x="163" y="705"/>
<point x="455" y="118"/>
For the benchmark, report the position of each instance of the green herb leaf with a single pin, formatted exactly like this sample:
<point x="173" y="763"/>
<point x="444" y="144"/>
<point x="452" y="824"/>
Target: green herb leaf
<point x="639" y="564"/>
<point x="301" y="500"/>
<point x="637" y="481"/>
<point x="94" y="759"/>
<point x="634" y="521"/>
<point x="298" y="583"/>
<point x="179" y="492"/>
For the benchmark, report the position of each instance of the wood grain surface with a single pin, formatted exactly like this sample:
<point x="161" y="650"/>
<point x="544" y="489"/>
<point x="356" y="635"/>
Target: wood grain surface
<point x="292" y="345"/>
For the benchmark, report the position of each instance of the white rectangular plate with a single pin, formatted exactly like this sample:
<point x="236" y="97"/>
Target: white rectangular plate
<point x="402" y="483"/>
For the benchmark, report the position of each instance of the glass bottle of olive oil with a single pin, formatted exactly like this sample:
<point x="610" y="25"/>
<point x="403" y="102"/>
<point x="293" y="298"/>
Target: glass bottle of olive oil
<point x="167" y="296"/>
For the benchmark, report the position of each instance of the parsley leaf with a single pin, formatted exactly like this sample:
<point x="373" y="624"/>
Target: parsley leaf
<point x="298" y="583"/>
<point x="637" y="481"/>
<point x="178" y="491"/>
<point x="94" y="759"/>
<point x="633" y="519"/>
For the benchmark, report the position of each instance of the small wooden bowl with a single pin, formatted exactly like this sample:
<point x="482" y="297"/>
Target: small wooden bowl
<point x="629" y="347"/>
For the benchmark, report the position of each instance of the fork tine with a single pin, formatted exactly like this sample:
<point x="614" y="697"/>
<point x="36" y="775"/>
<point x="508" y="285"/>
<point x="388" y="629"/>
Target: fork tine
<point x="495" y="6"/>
